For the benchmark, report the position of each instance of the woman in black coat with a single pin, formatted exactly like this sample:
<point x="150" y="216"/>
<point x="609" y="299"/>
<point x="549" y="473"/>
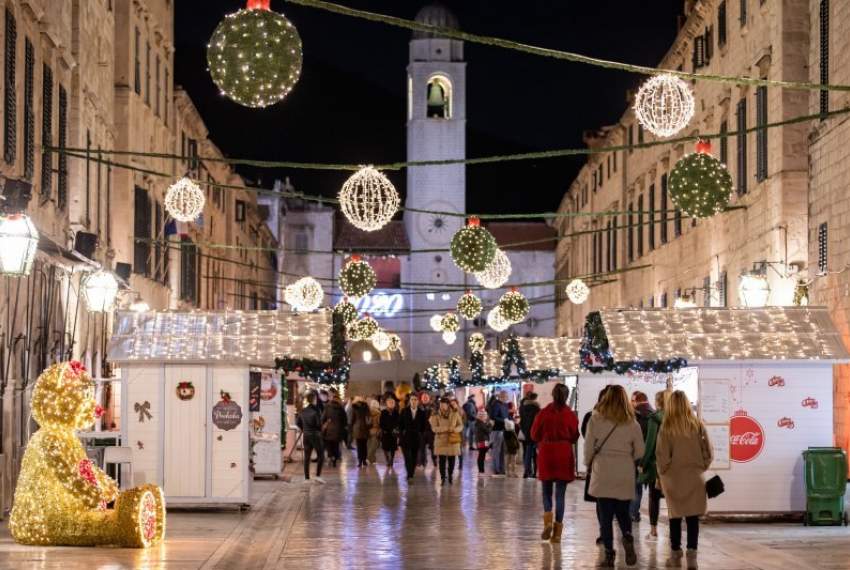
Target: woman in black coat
<point x="413" y="422"/>
<point x="334" y="422"/>
<point x="390" y="420"/>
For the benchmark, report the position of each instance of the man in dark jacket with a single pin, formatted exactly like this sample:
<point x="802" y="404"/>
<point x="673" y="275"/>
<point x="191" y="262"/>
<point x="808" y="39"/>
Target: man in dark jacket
<point x="334" y="423"/>
<point x="498" y="415"/>
<point x="412" y="425"/>
<point x="310" y="423"/>
<point x="643" y="411"/>
<point x="527" y="412"/>
<point x="470" y="409"/>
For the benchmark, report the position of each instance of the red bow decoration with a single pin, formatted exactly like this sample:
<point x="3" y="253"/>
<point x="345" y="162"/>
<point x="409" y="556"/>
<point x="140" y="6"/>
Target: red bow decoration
<point x="87" y="472"/>
<point x="77" y="367"/>
<point x="98" y="411"/>
<point x="259" y="4"/>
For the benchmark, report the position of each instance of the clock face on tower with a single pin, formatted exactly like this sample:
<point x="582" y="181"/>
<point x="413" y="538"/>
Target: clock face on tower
<point x="437" y="228"/>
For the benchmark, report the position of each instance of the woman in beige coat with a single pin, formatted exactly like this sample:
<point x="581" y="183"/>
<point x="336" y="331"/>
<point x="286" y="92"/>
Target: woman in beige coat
<point x="447" y="427"/>
<point x="683" y="454"/>
<point x="614" y="442"/>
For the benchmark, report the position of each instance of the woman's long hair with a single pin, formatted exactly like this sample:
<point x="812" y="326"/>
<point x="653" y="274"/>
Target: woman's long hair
<point x="614" y="405"/>
<point x="560" y="393"/>
<point x="679" y="417"/>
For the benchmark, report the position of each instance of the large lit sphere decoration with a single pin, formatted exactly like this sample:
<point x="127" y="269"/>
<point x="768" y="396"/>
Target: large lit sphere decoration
<point x="700" y="185"/>
<point x="18" y="244"/>
<point x="381" y="340"/>
<point x="395" y="343"/>
<point x="368" y="199"/>
<point x="346" y="311"/>
<point x="436" y="323"/>
<point x="357" y="278"/>
<point x="496" y="320"/>
<point x="254" y="56"/>
<point x="305" y="295"/>
<point x="664" y="105"/>
<point x="473" y="247"/>
<point x="449" y="337"/>
<point x="577" y="292"/>
<point x="365" y="328"/>
<point x="469" y="306"/>
<point x="61" y="495"/>
<point x="514" y="307"/>
<point x="100" y="289"/>
<point x="449" y="323"/>
<point x="477" y="342"/>
<point x="497" y="273"/>
<point x="184" y="200"/>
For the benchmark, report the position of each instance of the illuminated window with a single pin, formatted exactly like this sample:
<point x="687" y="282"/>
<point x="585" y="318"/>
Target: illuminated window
<point x="439" y="98"/>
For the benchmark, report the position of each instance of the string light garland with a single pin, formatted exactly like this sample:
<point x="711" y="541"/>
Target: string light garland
<point x="436" y="323"/>
<point x="346" y="311"/>
<point x="449" y="323"/>
<point x="381" y="340"/>
<point x="364" y="328"/>
<point x="305" y="295"/>
<point x="477" y="342"/>
<point x="664" y="105"/>
<point x="496" y="321"/>
<point x="577" y="291"/>
<point x="469" y="306"/>
<point x="497" y="273"/>
<point x="513" y="306"/>
<point x="473" y="247"/>
<point x="395" y="343"/>
<point x="254" y="56"/>
<point x="184" y="200"/>
<point x="368" y="199"/>
<point x="449" y="337"/>
<point x="699" y="184"/>
<point x="357" y="278"/>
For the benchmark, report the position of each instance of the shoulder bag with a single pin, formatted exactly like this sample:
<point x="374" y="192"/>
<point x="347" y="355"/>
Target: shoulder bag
<point x="714" y="487"/>
<point x="587" y="496"/>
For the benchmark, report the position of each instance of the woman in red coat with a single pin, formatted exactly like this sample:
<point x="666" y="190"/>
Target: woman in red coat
<point x="555" y="430"/>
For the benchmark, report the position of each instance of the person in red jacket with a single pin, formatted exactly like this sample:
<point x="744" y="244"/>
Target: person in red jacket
<point x="555" y="430"/>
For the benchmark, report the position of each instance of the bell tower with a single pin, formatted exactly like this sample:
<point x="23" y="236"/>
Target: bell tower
<point x="436" y="130"/>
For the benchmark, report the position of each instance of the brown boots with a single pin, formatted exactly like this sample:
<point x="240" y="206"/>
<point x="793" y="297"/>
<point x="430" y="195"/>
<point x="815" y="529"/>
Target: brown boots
<point x="556" y="533"/>
<point x="547" y="526"/>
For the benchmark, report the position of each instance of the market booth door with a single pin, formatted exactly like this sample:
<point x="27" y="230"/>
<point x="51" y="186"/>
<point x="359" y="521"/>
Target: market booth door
<point x="185" y="444"/>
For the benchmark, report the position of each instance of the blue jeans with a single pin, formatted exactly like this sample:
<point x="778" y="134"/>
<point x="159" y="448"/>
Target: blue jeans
<point x="470" y="434"/>
<point x="529" y="458"/>
<point x="634" y="506"/>
<point x="560" y="489"/>
<point x="608" y="510"/>
<point x="497" y="440"/>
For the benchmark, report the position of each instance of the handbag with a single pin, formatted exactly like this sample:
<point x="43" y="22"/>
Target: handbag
<point x="587" y="496"/>
<point x="454" y="437"/>
<point x="714" y="487"/>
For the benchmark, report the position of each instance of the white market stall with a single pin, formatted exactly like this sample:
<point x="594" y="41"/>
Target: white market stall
<point x="187" y="376"/>
<point x="761" y="379"/>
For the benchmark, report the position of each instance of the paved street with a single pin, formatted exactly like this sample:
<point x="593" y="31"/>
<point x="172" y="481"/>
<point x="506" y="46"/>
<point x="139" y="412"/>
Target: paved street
<point x="371" y="518"/>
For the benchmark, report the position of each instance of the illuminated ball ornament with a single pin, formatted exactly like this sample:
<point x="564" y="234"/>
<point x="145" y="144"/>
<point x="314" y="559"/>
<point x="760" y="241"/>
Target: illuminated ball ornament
<point x="577" y="292"/>
<point x="365" y="328"/>
<point x="304" y="295"/>
<point x="699" y="184"/>
<point x="436" y="323"/>
<point x="184" y="200"/>
<point x="346" y="311"/>
<point x="254" y="56"/>
<point x="381" y="340"/>
<point x="357" y="278"/>
<point x="497" y="273"/>
<point x="514" y="306"/>
<point x="469" y="306"/>
<point x="100" y="290"/>
<point x="473" y="247"/>
<point x="18" y="244"/>
<point x="395" y="343"/>
<point x="477" y="342"/>
<point x="449" y="323"/>
<point x="368" y="199"/>
<point x="496" y="320"/>
<point x="664" y="105"/>
<point x="449" y="337"/>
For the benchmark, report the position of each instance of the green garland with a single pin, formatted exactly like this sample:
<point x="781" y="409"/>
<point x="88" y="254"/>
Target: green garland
<point x="700" y="185"/>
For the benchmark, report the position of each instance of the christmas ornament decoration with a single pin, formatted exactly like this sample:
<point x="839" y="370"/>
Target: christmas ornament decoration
<point x="61" y="496"/>
<point x="368" y="199"/>
<point x="473" y="247"/>
<point x="304" y="295"/>
<point x="381" y="341"/>
<point x="184" y="200"/>
<point x="746" y="437"/>
<point x="497" y="272"/>
<point x="577" y="292"/>
<point x="469" y="306"/>
<point x="477" y="342"/>
<point x="18" y="244"/>
<point x="436" y="323"/>
<point x="664" y="105"/>
<point x="185" y="391"/>
<point x="226" y="414"/>
<point x="254" y="56"/>
<point x="700" y="185"/>
<point x="514" y="306"/>
<point x="395" y="343"/>
<point x="364" y="329"/>
<point x="357" y="278"/>
<point x="449" y="337"/>
<point x="496" y="320"/>
<point x="100" y="290"/>
<point x="449" y="323"/>
<point x="346" y="311"/>
<point x="143" y="409"/>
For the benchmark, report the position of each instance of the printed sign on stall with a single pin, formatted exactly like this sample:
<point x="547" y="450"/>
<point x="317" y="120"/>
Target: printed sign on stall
<point x="715" y="400"/>
<point x="746" y="437"/>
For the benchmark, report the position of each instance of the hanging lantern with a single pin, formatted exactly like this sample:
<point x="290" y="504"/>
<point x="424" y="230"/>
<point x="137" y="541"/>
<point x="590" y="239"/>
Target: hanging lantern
<point x="139" y="305"/>
<point x="254" y="56"/>
<point x="100" y="290"/>
<point x="754" y="289"/>
<point x="684" y="302"/>
<point x="477" y="342"/>
<point x="184" y="200"/>
<point x="346" y="311"/>
<point x="18" y="244"/>
<point x="664" y="105"/>
<point x="469" y="306"/>
<point x="497" y="273"/>
<point x="395" y="343"/>
<point x="449" y="337"/>
<point x="496" y="320"/>
<point x="305" y="295"/>
<point x="357" y="278"/>
<point x="699" y="184"/>
<point x="514" y="306"/>
<point x="577" y="291"/>
<point x="368" y="199"/>
<point x="449" y="323"/>
<point x="473" y="247"/>
<point x="381" y="340"/>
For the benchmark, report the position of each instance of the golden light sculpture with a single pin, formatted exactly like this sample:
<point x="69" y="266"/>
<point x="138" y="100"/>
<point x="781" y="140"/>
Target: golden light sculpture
<point x="61" y="497"/>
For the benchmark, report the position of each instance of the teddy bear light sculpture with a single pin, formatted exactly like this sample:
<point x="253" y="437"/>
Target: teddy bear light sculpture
<point x="61" y="497"/>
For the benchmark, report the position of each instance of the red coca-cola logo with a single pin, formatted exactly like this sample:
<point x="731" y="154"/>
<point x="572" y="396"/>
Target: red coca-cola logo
<point x="777" y="381"/>
<point x="810" y="403"/>
<point x="785" y="422"/>
<point x="746" y="438"/>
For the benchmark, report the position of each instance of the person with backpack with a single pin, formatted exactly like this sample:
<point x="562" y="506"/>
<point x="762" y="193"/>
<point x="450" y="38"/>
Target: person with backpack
<point x="648" y="470"/>
<point x="470" y="409"/>
<point x="334" y="422"/>
<point x="511" y="448"/>
<point x="640" y="404"/>
<point x="527" y="414"/>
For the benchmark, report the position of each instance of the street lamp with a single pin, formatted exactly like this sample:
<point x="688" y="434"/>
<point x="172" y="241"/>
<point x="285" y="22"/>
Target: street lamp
<point x="139" y="305"/>
<point x="684" y="302"/>
<point x="754" y="289"/>
<point x="18" y="244"/>
<point x="100" y="290"/>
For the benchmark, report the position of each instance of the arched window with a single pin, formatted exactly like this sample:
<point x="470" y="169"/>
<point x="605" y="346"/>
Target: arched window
<point x="439" y="98"/>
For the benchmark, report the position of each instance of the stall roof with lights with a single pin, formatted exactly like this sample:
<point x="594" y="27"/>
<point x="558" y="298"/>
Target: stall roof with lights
<point x="560" y="353"/>
<point x="713" y="333"/>
<point x="253" y="337"/>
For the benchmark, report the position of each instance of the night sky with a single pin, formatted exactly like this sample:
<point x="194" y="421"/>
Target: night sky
<point x="350" y="103"/>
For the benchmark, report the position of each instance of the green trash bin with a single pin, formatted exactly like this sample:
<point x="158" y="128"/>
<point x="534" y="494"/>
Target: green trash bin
<point x="826" y="482"/>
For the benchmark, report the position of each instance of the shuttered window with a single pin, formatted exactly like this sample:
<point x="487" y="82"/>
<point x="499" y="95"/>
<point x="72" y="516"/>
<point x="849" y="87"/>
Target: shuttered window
<point x="189" y="263"/>
<point x="62" y="187"/>
<point x="142" y="232"/>
<point x="823" y="248"/>
<point x="10" y="102"/>
<point x="630" y="235"/>
<point x="742" y="146"/>
<point x="46" y="130"/>
<point x="664" y="207"/>
<point x="158" y="88"/>
<point x="743" y="13"/>
<point x="677" y="223"/>
<point x="148" y="73"/>
<point x="651" y="241"/>
<point x="137" y="63"/>
<point x="640" y="227"/>
<point x="724" y="142"/>
<point x="824" y="54"/>
<point x="721" y="24"/>
<point x="29" y="111"/>
<point x="613" y="252"/>
<point x="761" y="134"/>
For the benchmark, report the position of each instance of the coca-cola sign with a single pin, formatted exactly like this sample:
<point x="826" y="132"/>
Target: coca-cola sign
<point x="746" y="438"/>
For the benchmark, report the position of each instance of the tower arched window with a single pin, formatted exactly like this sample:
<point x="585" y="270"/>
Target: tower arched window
<point x="439" y="98"/>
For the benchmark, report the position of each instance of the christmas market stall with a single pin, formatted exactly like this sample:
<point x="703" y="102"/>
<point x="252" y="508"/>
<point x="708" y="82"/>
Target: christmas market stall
<point x="760" y="379"/>
<point x="186" y="382"/>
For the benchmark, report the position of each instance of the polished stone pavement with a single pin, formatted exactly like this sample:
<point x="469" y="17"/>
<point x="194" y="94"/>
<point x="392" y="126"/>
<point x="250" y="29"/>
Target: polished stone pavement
<point x="372" y="518"/>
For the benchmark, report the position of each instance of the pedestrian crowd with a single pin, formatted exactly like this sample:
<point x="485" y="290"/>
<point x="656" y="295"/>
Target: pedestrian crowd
<point x="630" y="449"/>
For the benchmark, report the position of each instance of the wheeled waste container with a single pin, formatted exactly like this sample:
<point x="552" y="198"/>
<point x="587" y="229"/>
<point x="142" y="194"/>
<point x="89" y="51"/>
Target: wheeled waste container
<point x="826" y="483"/>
